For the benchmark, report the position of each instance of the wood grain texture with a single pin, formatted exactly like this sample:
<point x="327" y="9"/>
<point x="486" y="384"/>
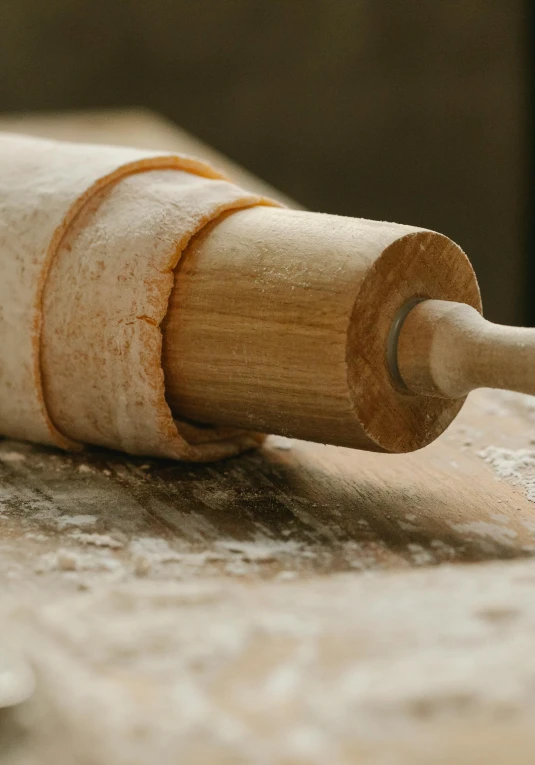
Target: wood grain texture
<point x="279" y="321"/>
<point x="320" y="497"/>
<point x="126" y="576"/>
<point x="302" y="596"/>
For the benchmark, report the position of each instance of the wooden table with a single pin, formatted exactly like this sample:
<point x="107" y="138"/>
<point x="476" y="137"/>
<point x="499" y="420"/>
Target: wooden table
<point x="298" y="604"/>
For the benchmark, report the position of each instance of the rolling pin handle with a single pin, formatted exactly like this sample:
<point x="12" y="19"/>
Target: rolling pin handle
<point x="447" y="349"/>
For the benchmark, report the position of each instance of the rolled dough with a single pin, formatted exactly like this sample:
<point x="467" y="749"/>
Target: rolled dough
<point x="89" y="238"/>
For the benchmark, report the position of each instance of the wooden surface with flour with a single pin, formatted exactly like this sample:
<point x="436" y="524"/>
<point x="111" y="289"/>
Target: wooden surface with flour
<point x="284" y="606"/>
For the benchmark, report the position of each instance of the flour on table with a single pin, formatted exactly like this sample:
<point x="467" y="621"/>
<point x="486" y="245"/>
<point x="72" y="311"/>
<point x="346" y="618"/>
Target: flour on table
<point x="97" y="540"/>
<point x="260" y="550"/>
<point x="150" y="553"/>
<point x="493" y="531"/>
<point x="516" y="465"/>
<point x="213" y="672"/>
<point x="11" y="457"/>
<point x="71" y="560"/>
<point x="75" y="520"/>
<point x="419" y="555"/>
<point x="282" y="443"/>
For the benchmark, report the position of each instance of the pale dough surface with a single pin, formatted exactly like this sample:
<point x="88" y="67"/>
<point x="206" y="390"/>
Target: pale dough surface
<point x="44" y="186"/>
<point x="105" y="299"/>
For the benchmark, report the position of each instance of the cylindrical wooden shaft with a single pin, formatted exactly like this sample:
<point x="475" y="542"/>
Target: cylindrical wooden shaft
<point x="448" y="349"/>
<point x="279" y="322"/>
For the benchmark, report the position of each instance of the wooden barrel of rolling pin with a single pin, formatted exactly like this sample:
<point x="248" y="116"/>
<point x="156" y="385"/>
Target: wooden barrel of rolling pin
<point x="281" y="321"/>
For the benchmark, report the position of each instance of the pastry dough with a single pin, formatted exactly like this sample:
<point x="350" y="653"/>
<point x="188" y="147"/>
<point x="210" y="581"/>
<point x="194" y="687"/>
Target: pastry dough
<point x="89" y="238"/>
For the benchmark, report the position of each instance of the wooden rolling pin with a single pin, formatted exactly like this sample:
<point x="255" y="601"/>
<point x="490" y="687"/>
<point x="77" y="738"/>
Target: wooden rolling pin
<point x="338" y="330"/>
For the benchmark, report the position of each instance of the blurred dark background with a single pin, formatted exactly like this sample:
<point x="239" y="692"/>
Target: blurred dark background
<point x="414" y="111"/>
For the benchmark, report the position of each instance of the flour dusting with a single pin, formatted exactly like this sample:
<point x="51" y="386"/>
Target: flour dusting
<point x="493" y="531"/>
<point x="75" y="520"/>
<point x="11" y="456"/>
<point x="97" y="540"/>
<point x="282" y="443"/>
<point x="516" y="465"/>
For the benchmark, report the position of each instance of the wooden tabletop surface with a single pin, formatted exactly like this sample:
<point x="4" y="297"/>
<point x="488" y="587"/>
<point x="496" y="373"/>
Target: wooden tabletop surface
<point x="295" y="592"/>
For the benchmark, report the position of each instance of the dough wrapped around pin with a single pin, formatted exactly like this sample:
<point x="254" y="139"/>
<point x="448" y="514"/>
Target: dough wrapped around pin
<point x="89" y="239"/>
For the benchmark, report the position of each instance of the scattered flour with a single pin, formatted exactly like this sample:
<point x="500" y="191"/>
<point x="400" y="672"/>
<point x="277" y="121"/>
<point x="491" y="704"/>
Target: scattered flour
<point x="142" y="565"/>
<point x="70" y="560"/>
<point x="492" y="531"/>
<point x="152" y="551"/>
<point x="419" y="555"/>
<point x="11" y="457"/>
<point x="407" y="526"/>
<point x="517" y="465"/>
<point x="36" y="536"/>
<point x="281" y="443"/>
<point x="390" y="664"/>
<point x="65" y="521"/>
<point x="260" y="550"/>
<point x="66" y="560"/>
<point x="236" y="568"/>
<point x="443" y="549"/>
<point x="97" y="540"/>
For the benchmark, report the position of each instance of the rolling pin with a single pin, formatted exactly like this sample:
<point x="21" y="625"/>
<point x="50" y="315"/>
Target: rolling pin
<point x="345" y="331"/>
<point x="149" y="305"/>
